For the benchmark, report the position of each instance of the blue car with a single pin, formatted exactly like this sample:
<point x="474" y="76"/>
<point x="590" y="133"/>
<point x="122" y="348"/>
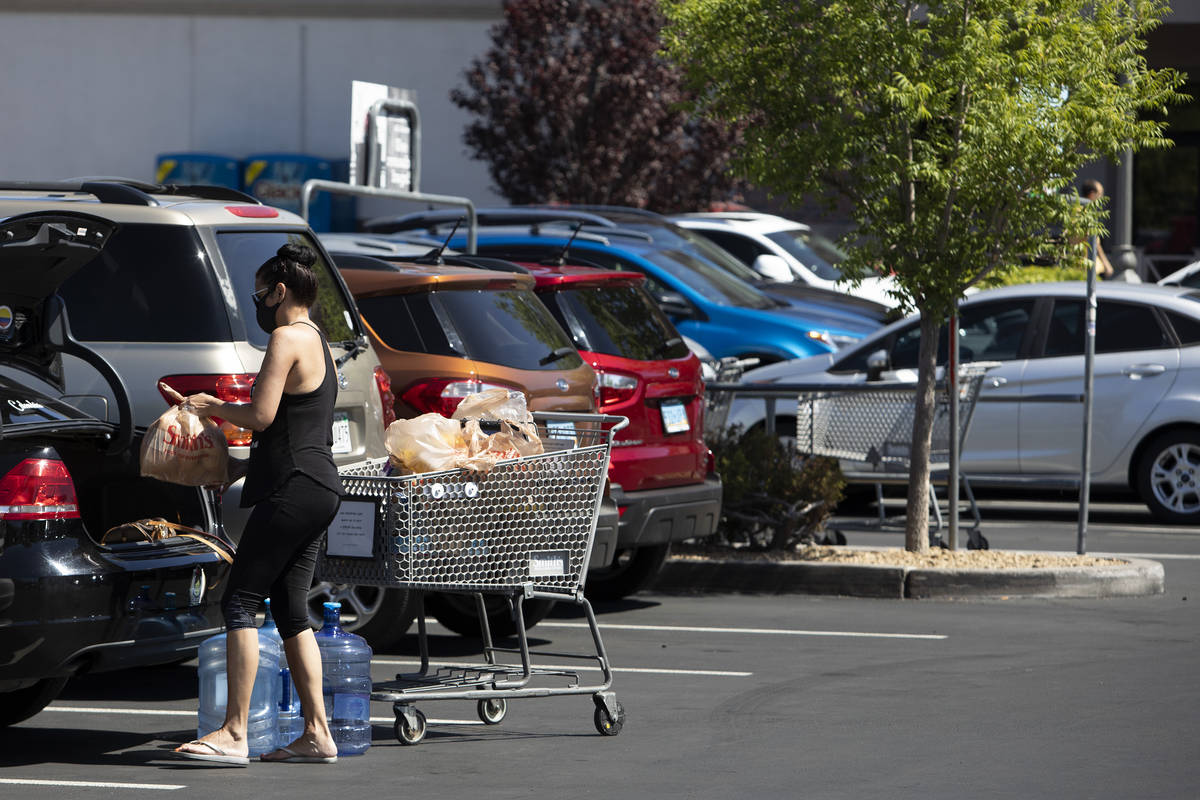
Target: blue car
<point x="724" y="314"/>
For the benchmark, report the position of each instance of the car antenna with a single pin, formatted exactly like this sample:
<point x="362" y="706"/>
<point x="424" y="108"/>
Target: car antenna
<point x="561" y="259"/>
<point x="434" y="256"/>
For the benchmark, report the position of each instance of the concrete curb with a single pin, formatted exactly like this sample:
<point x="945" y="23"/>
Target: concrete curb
<point x="1134" y="577"/>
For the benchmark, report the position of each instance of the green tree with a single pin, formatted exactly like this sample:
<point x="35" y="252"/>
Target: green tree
<point x="954" y="129"/>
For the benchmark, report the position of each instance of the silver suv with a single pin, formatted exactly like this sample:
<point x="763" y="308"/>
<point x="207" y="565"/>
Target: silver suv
<point x="168" y="299"/>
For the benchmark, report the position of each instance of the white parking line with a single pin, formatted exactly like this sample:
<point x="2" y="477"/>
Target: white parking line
<point x="765" y="631"/>
<point x="141" y="712"/>
<point x="720" y="673"/>
<point x="166" y="787"/>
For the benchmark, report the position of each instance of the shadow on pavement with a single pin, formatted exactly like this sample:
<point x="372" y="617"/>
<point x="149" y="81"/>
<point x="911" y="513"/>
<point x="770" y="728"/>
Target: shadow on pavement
<point x="27" y="746"/>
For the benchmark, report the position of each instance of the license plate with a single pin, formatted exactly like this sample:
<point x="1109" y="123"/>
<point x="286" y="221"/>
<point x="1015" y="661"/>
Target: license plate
<point x="674" y="417"/>
<point x="341" y="433"/>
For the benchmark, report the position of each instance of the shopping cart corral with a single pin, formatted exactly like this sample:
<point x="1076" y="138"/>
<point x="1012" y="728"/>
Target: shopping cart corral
<point x="523" y="530"/>
<point x="868" y="427"/>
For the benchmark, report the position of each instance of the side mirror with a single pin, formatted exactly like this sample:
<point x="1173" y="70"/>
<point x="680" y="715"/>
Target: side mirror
<point x="674" y="304"/>
<point x="774" y="267"/>
<point x="877" y="363"/>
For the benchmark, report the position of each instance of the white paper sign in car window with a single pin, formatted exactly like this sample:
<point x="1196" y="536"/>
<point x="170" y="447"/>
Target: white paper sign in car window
<point x="352" y="532"/>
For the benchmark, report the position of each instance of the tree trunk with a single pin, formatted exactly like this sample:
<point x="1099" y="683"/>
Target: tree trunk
<point x="916" y="528"/>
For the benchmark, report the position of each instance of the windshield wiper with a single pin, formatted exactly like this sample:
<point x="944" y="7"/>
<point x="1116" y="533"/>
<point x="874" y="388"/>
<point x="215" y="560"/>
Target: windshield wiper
<point x="352" y="347"/>
<point x="555" y="355"/>
<point x="668" y="344"/>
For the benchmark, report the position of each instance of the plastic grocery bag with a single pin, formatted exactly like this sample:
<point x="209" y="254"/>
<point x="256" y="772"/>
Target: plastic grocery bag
<point x="494" y="405"/>
<point x="427" y="443"/>
<point x="182" y="447"/>
<point x="516" y="435"/>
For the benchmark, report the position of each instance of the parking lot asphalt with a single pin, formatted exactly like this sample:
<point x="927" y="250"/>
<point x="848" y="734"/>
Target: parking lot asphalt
<point x="741" y="695"/>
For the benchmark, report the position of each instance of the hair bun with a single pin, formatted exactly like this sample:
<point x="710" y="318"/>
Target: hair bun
<point x="299" y="253"/>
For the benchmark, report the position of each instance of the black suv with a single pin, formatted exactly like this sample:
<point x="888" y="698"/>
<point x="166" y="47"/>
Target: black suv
<point x="69" y="604"/>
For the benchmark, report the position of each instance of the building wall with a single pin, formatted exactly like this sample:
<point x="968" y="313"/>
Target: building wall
<point x="103" y="93"/>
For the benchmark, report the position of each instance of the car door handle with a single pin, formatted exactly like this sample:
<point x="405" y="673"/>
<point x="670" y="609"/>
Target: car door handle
<point x="1138" y="371"/>
<point x="996" y="383"/>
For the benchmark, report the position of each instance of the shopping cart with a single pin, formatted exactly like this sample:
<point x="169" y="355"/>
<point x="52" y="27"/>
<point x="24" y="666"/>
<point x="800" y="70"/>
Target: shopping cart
<point x="868" y="427"/>
<point x="717" y="401"/>
<point x="524" y="530"/>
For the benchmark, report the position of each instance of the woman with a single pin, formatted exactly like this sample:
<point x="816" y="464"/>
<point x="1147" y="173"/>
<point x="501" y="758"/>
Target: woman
<point x="293" y="485"/>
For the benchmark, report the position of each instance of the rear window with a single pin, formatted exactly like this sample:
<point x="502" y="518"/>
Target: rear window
<point x="151" y="283"/>
<point x="245" y="251"/>
<point x="619" y="320"/>
<point x="1186" y="328"/>
<point x="508" y="328"/>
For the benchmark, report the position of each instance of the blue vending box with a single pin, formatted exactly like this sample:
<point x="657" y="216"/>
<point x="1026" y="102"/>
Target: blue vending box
<point x="276" y="179"/>
<point x="198" y="169"/>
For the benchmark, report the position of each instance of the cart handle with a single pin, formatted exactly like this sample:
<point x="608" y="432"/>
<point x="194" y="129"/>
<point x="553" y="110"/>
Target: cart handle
<point x="567" y="416"/>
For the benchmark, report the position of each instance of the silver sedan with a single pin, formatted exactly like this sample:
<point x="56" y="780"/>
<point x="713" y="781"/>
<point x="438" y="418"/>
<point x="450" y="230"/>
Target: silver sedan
<point x="1025" y="431"/>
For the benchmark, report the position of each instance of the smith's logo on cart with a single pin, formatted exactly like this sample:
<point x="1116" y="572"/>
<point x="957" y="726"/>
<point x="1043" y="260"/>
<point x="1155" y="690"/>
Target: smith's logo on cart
<point x="547" y="563"/>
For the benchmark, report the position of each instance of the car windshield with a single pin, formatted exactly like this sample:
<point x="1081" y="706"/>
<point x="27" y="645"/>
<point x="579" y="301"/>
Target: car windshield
<point x="245" y="251"/>
<point x="616" y="320"/>
<point x="709" y="281"/>
<point x="812" y="250"/>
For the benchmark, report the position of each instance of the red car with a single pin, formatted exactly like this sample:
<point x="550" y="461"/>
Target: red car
<point x="661" y="476"/>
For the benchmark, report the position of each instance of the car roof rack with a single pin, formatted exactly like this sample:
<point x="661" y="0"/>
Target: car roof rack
<point x="126" y="191"/>
<point x="485" y="217"/>
<point x="601" y="209"/>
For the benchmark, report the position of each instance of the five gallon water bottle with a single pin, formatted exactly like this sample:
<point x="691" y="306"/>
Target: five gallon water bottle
<point x="262" y="732"/>
<point x="291" y="721"/>
<point x="346" y="684"/>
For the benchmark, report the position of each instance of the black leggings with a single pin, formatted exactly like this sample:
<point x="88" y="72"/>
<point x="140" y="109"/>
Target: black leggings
<point x="277" y="555"/>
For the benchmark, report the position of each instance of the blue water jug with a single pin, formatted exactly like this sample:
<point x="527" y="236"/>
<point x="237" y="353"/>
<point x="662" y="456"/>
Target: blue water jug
<point x="346" y="683"/>
<point x="291" y="721"/>
<point x="262" y="730"/>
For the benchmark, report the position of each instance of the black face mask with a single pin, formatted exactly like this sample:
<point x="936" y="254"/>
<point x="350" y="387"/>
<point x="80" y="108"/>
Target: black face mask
<point x="265" y="315"/>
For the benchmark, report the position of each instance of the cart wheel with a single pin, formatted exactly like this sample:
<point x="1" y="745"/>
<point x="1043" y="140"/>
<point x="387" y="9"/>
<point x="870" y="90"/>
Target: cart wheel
<point x="607" y="725"/>
<point x="492" y="711"/>
<point x="835" y="537"/>
<point x="410" y="735"/>
<point x="977" y="542"/>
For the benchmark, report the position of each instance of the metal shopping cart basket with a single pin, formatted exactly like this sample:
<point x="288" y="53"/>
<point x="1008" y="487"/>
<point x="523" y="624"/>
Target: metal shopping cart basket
<point x="524" y="530"/>
<point x="868" y="427"/>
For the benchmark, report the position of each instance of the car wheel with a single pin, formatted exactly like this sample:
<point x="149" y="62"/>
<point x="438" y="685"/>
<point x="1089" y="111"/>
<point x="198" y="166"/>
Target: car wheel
<point x="24" y="703"/>
<point x="634" y="569"/>
<point x="458" y="613"/>
<point x="381" y="616"/>
<point x="1169" y="477"/>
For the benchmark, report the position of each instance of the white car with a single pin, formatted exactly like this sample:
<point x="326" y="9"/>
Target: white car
<point x="783" y="250"/>
<point x="1027" y="429"/>
<point x="1184" y="276"/>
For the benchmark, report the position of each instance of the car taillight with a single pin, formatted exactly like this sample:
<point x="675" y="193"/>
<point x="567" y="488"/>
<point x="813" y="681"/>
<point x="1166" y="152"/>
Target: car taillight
<point x="442" y="395"/>
<point x="38" y="488"/>
<point x="710" y="463"/>
<point x="232" y="388"/>
<point x="384" y="384"/>
<point x="616" y="388"/>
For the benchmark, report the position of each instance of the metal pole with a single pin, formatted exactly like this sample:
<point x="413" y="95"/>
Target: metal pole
<point x="1089" y="358"/>
<point x="952" y="387"/>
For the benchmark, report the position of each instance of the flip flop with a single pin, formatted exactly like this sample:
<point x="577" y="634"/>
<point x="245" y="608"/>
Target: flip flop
<point x="297" y="758"/>
<point x="217" y="755"/>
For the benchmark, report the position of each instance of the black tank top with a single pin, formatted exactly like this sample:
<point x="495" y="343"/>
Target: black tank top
<point x="298" y="440"/>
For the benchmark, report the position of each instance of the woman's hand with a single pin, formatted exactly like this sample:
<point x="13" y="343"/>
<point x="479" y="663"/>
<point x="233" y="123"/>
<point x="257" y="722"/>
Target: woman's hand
<point x="205" y="405"/>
